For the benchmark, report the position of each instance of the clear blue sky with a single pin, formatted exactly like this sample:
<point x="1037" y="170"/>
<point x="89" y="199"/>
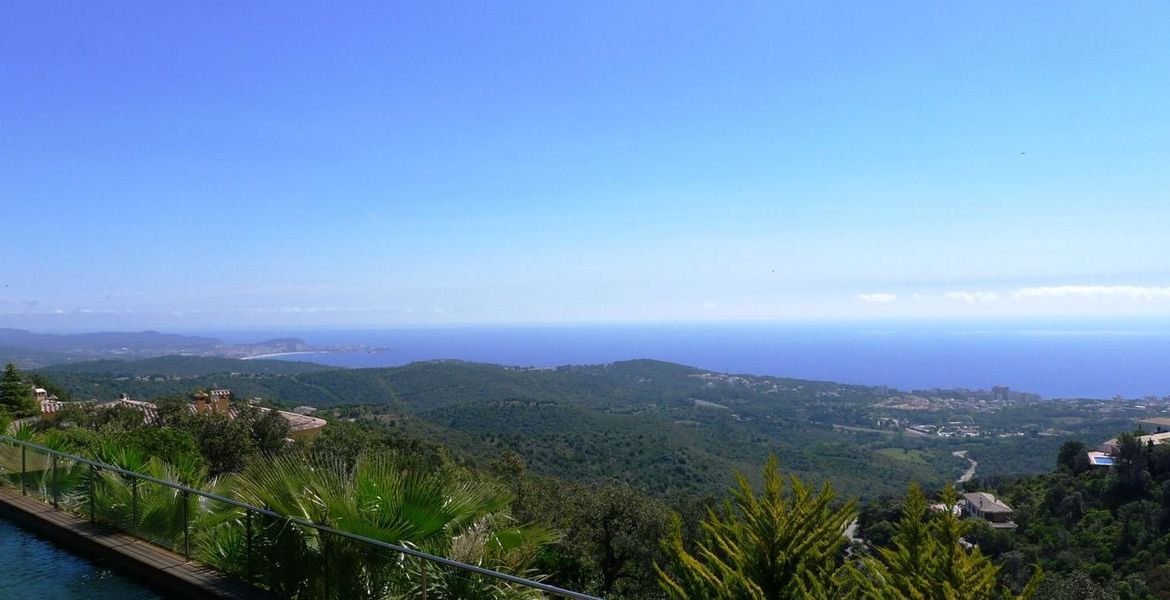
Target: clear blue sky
<point x="187" y="165"/>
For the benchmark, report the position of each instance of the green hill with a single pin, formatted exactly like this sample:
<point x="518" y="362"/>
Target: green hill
<point x="660" y="426"/>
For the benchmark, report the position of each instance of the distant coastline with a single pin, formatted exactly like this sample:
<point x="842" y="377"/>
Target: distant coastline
<point x="1057" y="359"/>
<point x="282" y="354"/>
<point x="1131" y="361"/>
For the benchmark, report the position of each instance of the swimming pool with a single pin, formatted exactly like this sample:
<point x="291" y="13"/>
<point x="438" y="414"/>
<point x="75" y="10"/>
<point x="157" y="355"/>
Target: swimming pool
<point x="31" y="567"/>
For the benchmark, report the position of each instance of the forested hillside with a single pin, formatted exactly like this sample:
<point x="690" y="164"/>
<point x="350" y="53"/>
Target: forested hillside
<point x="1098" y="532"/>
<point x="592" y="451"/>
<point x="662" y="427"/>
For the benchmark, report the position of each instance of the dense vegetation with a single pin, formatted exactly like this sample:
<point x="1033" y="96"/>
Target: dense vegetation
<point x="601" y="540"/>
<point x="1097" y="532"/>
<point x="596" y="478"/>
<point x="1111" y="526"/>
<point x="660" y="427"/>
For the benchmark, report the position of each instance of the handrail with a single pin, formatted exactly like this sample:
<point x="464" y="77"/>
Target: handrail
<point x="544" y="587"/>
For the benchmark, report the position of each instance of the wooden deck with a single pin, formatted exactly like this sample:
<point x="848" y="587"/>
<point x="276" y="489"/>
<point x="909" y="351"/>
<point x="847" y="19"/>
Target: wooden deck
<point x="170" y="573"/>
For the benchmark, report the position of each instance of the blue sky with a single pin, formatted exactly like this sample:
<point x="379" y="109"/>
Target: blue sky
<point x="224" y="164"/>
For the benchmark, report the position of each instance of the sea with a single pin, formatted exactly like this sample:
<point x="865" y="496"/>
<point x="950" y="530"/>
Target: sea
<point x="1057" y="359"/>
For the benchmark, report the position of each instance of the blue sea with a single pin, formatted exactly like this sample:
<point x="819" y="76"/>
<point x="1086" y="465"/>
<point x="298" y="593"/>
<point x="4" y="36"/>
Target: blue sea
<point x="1055" y="359"/>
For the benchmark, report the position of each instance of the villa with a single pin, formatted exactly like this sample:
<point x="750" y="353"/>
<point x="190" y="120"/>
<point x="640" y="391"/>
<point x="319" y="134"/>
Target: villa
<point x="1153" y="439"/>
<point x="985" y="506"/>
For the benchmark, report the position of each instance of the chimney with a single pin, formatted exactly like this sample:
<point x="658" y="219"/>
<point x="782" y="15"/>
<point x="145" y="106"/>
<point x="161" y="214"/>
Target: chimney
<point x="220" y="399"/>
<point x="201" y="403"/>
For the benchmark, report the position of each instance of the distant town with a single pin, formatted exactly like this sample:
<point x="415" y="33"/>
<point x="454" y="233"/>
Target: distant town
<point x="953" y="412"/>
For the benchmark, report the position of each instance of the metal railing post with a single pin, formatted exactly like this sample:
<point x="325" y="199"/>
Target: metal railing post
<point x="325" y="562"/>
<point x="424" y="579"/>
<point x="134" y="507"/>
<point x="23" y="477"/>
<point x="327" y="548"/>
<point x="248" y="539"/>
<point x="92" y="487"/>
<point x="186" y="524"/>
<point x="53" y="481"/>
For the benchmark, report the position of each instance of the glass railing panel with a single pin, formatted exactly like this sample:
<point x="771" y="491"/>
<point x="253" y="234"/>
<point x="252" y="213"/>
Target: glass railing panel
<point x="38" y="473"/>
<point x="10" y="456"/>
<point x="288" y="558"/>
<point x="160" y="515"/>
<point x="291" y="558"/>
<point x="67" y="484"/>
<point x="368" y="571"/>
<point x="114" y="500"/>
<point x="445" y="581"/>
<point x="216" y="536"/>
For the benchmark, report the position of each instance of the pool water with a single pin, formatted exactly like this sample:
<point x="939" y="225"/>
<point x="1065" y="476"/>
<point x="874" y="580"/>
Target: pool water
<point x="32" y="568"/>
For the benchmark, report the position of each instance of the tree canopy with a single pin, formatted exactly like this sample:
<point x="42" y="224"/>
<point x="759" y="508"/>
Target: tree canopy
<point x="16" y="395"/>
<point x="780" y="544"/>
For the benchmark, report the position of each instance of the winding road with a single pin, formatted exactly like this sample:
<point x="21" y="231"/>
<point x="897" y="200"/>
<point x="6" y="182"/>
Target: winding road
<point x="969" y="474"/>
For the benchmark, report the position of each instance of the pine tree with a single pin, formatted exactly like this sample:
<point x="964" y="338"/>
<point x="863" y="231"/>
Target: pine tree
<point x="777" y="545"/>
<point x="16" y="396"/>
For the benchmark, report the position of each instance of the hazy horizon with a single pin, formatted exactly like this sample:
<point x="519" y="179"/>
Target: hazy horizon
<point x="1122" y="325"/>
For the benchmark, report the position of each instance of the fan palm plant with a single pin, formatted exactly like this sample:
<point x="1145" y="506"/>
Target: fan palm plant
<point x="158" y="513"/>
<point x="50" y="478"/>
<point x="377" y="498"/>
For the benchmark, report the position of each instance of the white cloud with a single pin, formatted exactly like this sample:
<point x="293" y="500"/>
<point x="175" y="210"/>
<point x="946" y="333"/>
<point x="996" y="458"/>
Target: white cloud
<point x="972" y="297"/>
<point x="877" y="298"/>
<point x="1129" y="292"/>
